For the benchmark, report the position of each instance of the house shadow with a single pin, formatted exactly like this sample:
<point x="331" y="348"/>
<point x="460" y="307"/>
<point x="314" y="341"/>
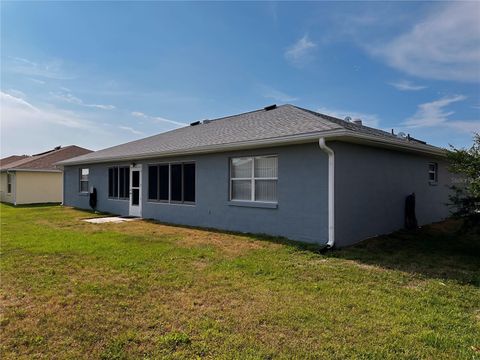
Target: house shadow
<point x="439" y="251"/>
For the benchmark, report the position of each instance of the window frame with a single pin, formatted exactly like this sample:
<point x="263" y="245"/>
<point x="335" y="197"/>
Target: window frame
<point x="434" y="172"/>
<point x="170" y="201"/>
<point x="118" y="167"/>
<point x="9" y="183"/>
<point x="80" y="181"/>
<point x="253" y="179"/>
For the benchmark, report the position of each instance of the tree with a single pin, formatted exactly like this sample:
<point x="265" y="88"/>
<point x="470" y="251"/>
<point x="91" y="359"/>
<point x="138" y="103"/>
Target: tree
<point x="465" y="200"/>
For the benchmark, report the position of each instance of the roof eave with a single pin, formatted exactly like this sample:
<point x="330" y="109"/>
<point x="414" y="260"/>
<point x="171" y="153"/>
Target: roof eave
<point x="338" y="134"/>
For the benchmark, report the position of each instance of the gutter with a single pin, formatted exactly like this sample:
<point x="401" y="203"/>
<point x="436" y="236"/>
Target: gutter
<point x="331" y="191"/>
<point x="338" y="134"/>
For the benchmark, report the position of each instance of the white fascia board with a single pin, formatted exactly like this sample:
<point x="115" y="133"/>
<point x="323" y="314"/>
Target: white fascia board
<point x="339" y="134"/>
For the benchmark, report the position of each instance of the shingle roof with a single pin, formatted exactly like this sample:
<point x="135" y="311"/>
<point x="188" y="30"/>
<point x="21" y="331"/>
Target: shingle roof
<point x="11" y="159"/>
<point x="282" y="121"/>
<point x="44" y="161"/>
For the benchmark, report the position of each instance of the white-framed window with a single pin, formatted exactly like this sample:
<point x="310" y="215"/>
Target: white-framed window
<point x="433" y="172"/>
<point x="254" y="178"/>
<point x="83" y="174"/>
<point x="9" y="183"/>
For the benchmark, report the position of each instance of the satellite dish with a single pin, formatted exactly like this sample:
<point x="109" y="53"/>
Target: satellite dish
<point x="402" y="135"/>
<point x="348" y="118"/>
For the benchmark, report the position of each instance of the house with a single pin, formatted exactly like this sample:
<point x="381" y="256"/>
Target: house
<point x="281" y="170"/>
<point x="35" y="179"/>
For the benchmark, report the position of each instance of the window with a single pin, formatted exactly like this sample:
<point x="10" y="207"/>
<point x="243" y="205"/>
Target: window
<point x="84" y="179"/>
<point x="254" y="178"/>
<point x="9" y="183"/>
<point x="433" y="172"/>
<point x="172" y="182"/>
<point x="118" y="182"/>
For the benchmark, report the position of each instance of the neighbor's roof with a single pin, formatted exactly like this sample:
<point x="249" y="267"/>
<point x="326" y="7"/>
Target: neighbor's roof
<point x="11" y="159"/>
<point x="280" y="125"/>
<point x="44" y="161"/>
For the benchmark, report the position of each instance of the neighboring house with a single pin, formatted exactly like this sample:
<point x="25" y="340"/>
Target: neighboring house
<point x="282" y="170"/>
<point x="35" y="179"/>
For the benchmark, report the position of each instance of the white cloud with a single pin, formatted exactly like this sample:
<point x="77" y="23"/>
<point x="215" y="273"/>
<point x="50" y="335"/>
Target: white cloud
<point x="157" y="119"/>
<point x="276" y="95"/>
<point x="16" y="93"/>
<point x="52" y="69"/>
<point x="370" y="120"/>
<point x="130" y="129"/>
<point x="70" y="98"/>
<point x="433" y="114"/>
<point x="405" y="85"/>
<point x="301" y="52"/>
<point x="445" y="45"/>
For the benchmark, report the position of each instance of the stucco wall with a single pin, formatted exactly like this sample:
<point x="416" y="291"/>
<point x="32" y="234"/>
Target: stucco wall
<point x="4" y="195"/>
<point x="302" y="192"/>
<point x="38" y="187"/>
<point x="371" y="185"/>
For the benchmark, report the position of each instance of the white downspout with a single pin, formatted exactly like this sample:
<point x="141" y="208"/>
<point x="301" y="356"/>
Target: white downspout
<point x="331" y="191"/>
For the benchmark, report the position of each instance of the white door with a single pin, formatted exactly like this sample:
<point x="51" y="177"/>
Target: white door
<point x="135" y="208"/>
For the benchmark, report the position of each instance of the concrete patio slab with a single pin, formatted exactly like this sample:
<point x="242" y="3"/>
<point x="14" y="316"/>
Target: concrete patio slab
<point x="110" y="219"/>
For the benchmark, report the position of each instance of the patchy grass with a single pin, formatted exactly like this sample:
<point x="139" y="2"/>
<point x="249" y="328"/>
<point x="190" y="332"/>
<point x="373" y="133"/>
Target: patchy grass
<point x="70" y="289"/>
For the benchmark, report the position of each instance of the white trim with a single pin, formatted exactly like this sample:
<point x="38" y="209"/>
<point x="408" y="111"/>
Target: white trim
<point x="341" y="134"/>
<point x="32" y="170"/>
<point x="135" y="210"/>
<point x="331" y="191"/>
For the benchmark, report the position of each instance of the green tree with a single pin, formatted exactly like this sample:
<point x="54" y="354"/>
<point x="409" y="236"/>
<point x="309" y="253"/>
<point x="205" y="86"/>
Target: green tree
<point x="465" y="199"/>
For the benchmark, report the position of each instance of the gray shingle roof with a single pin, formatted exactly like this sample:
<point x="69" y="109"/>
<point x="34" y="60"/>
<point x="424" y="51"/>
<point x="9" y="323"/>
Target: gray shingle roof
<point x="283" y="121"/>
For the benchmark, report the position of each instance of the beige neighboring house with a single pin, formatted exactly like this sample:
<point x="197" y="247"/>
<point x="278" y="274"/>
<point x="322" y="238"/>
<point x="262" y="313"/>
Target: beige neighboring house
<point x="35" y="179"/>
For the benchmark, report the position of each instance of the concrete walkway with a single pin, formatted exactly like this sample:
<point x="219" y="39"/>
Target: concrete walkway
<point x="110" y="219"/>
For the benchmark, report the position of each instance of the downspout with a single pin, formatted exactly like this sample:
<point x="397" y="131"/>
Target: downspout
<point x="331" y="192"/>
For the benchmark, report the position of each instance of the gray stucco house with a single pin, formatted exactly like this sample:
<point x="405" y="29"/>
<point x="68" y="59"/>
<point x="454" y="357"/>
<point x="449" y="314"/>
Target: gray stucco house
<point x="281" y="170"/>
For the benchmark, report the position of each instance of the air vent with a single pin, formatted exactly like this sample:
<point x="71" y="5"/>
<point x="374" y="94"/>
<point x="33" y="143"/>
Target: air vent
<point x="206" y="121"/>
<point x="195" y="123"/>
<point x="270" y="107"/>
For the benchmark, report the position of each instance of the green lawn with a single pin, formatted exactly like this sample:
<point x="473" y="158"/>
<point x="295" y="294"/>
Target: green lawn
<point x="70" y="289"/>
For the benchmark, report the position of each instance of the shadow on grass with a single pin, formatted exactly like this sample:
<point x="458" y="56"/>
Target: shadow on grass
<point x="439" y="251"/>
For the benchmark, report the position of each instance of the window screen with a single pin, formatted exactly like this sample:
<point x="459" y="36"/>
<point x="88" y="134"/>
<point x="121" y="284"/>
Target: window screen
<point x="172" y="182"/>
<point x="119" y="182"/>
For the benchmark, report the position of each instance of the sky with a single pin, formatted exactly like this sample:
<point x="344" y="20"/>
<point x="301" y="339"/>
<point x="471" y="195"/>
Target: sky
<point x="98" y="74"/>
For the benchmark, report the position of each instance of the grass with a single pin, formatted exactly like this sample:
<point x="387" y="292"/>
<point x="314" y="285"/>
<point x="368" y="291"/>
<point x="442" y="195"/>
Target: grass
<point x="144" y="290"/>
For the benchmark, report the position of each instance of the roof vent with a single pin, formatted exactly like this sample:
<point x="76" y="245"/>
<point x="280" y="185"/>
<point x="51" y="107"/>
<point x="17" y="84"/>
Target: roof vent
<point x="270" y="107"/>
<point x="195" y="123"/>
<point x="206" y="121"/>
<point x="57" y="147"/>
<point x="348" y="118"/>
<point x="357" y="121"/>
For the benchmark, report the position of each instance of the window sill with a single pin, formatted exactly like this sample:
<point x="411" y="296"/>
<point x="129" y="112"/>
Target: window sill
<point x="171" y="203"/>
<point x="84" y="193"/>
<point x="118" y="199"/>
<point x="254" y="204"/>
<point x="433" y="183"/>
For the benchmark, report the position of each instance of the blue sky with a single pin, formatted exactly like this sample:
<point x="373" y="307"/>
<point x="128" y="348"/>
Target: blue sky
<point x="100" y="74"/>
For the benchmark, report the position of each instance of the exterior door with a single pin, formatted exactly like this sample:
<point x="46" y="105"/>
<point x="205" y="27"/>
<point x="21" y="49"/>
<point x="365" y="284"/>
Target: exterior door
<point x="135" y="208"/>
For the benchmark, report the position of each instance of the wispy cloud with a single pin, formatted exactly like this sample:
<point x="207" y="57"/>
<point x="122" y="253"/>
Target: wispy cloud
<point x="405" y="85"/>
<point x="52" y="69"/>
<point x="300" y="53"/>
<point x="371" y="120"/>
<point x="435" y="114"/>
<point x="70" y="98"/>
<point x="275" y="94"/>
<point x="130" y="129"/>
<point x="156" y="118"/>
<point x="444" y="45"/>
